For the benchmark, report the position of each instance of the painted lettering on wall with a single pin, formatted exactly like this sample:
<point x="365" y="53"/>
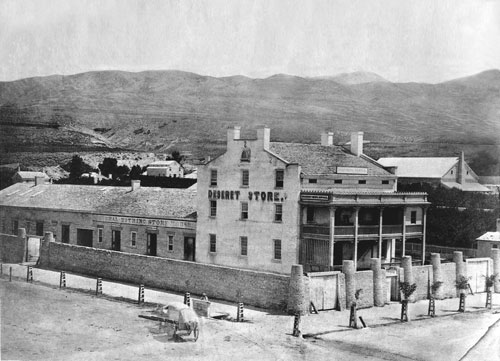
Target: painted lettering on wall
<point x="147" y="221"/>
<point x="251" y="195"/>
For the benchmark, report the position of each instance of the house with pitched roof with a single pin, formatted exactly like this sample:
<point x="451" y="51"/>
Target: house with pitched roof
<point x="268" y="205"/>
<point x="143" y="220"/>
<point x="451" y="172"/>
<point x="488" y="241"/>
<point x="28" y="176"/>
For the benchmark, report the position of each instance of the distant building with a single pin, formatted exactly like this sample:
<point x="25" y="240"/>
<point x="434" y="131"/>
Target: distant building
<point x="165" y="168"/>
<point x="27" y="176"/>
<point x="267" y="205"/>
<point x="451" y="172"/>
<point x="149" y="221"/>
<point x="491" y="182"/>
<point x="488" y="241"/>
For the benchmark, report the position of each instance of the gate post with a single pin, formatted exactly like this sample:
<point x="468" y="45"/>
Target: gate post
<point x="98" y="288"/>
<point x="495" y="254"/>
<point x="436" y="274"/>
<point x="29" y="274"/>
<point x="296" y="291"/>
<point x="378" y="282"/>
<point x="350" y="282"/>
<point x="140" y="298"/>
<point x="460" y="267"/>
<point x="408" y="273"/>
<point x="187" y="299"/>
<point x="62" y="280"/>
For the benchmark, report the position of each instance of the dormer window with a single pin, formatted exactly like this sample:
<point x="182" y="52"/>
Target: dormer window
<point x="245" y="153"/>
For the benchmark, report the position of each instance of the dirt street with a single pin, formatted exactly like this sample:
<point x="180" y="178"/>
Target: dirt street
<point x="44" y="323"/>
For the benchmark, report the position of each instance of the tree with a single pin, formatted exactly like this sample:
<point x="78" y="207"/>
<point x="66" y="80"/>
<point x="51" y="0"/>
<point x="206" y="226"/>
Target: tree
<point x="121" y="172"/>
<point x="108" y="166"/>
<point x="77" y="167"/>
<point x="135" y="172"/>
<point x="176" y="155"/>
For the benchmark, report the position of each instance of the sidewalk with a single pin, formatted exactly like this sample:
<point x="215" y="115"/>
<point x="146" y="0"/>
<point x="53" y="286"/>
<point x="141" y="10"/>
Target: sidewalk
<point x="311" y="325"/>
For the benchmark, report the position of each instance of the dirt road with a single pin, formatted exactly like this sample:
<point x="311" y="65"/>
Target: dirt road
<point x="44" y="323"/>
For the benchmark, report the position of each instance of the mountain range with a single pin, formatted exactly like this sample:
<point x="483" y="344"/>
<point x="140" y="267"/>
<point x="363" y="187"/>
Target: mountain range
<point x="157" y="111"/>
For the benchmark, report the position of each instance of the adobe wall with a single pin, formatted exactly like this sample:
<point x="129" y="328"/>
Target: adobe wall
<point x="364" y="280"/>
<point x="422" y="276"/>
<point x="448" y="274"/>
<point x="12" y="248"/>
<point x="250" y="287"/>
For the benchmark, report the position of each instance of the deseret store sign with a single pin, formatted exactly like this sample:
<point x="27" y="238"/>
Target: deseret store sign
<point x="352" y="170"/>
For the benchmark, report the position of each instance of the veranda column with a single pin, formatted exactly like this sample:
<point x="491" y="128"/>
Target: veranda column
<point x="424" y="220"/>
<point x="356" y="230"/>
<point x="380" y="230"/>
<point x="378" y="282"/>
<point x="403" y="252"/>
<point x="332" y="235"/>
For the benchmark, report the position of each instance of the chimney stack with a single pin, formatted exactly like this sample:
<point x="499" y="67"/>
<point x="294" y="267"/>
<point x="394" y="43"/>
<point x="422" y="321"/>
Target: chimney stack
<point x="327" y="138"/>
<point x="136" y="184"/>
<point x="233" y="133"/>
<point x="357" y="143"/>
<point x="461" y="168"/>
<point x="264" y="136"/>
<point x="39" y="180"/>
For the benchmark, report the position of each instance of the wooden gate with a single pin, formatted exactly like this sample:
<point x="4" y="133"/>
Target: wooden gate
<point x="323" y="290"/>
<point x="33" y="249"/>
<point x="477" y="270"/>
<point x="392" y="285"/>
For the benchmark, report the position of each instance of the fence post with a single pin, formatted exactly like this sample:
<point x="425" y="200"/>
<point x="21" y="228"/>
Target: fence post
<point x="296" y="325"/>
<point x="29" y="274"/>
<point x="141" y="294"/>
<point x="239" y="314"/>
<point x="98" y="287"/>
<point x="187" y="299"/>
<point x="62" y="280"/>
<point x="10" y="274"/>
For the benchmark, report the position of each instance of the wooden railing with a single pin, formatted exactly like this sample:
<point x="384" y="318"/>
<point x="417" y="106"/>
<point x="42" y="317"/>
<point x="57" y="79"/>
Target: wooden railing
<point x="362" y="230"/>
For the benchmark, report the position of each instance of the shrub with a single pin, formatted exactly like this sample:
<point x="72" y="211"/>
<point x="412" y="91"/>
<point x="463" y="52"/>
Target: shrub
<point x="407" y="289"/>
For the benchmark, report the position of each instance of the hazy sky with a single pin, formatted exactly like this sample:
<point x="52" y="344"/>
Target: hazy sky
<point x="401" y="40"/>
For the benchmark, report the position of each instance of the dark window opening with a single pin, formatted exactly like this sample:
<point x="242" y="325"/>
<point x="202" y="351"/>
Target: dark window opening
<point x="213" y="243"/>
<point x="313" y="180"/>
<point x="280" y="175"/>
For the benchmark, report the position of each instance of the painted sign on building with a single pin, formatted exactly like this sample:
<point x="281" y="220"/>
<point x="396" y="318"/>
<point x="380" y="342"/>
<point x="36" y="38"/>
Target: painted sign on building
<point x="155" y="222"/>
<point x="352" y="170"/>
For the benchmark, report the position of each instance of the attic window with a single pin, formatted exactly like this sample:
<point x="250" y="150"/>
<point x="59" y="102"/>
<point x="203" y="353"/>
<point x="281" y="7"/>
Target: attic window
<point x="313" y="180"/>
<point x="337" y="181"/>
<point x="385" y="182"/>
<point x="362" y="181"/>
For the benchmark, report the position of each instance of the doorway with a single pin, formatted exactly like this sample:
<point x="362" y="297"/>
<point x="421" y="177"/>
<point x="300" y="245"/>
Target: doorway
<point x="152" y="244"/>
<point x="116" y="240"/>
<point x="189" y="248"/>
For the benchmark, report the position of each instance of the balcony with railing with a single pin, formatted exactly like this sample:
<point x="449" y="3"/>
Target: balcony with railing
<point x="323" y="231"/>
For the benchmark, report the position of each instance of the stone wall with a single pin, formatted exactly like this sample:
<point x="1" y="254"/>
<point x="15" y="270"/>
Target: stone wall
<point x="12" y="248"/>
<point x="250" y="287"/>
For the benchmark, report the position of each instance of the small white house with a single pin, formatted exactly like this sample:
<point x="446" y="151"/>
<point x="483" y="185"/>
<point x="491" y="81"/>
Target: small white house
<point x="165" y="168"/>
<point x="488" y="241"/>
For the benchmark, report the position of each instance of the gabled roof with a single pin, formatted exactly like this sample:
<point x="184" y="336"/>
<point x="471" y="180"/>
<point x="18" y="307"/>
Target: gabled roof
<point x="466" y="187"/>
<point x="317" y="159"/>
<point x="490" y="236"/>
<point x="163" y="163"/>
<point x="143" y="202"/>
<point x="416" y="167"/>
<point x="30" y="175"/>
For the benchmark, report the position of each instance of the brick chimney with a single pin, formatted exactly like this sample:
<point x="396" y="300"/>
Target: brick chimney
<point x="327" y="138"/>
<point x="39" y="180"/>
<point x="357" y="143"/>
<point x="136" y="184"/>
<point x="264" y="137"/>
<point x="461" y="169"/>
<point x="233" y="133"/>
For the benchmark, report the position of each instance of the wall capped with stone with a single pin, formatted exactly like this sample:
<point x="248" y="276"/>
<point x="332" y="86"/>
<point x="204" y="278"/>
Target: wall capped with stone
<point x="422" y="276"/>
<point x="364" y="281"/>
<point x="250" y="287"/>
<point x="12" y="248"/>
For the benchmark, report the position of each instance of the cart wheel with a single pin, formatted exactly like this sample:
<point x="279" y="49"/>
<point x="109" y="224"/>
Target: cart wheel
<point x="196" y="332"/>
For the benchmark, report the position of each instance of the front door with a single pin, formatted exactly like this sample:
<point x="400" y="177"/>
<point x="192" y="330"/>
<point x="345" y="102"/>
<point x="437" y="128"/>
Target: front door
<point x="33" y="249"/>
<point x="151" y="246"/>
<point x="116" y="239"/>
<point x="189" y="249"/>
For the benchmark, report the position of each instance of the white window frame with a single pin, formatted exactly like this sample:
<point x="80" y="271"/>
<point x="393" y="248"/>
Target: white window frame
<point x="245" y="178"/>
<point x="170" y="243"/>
<point x="280" y="213"/>
<point x="213" y="208"/>
<point x="244" y="211"/>
<point x="100" y="234"/>
<point x="213" y="177"/>
<point x="277" y="242"/>
<point x="212" y="241"/>
<point x="243" y="246"/>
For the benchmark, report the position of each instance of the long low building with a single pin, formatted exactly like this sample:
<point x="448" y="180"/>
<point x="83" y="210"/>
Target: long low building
<point x="142" y="220"/>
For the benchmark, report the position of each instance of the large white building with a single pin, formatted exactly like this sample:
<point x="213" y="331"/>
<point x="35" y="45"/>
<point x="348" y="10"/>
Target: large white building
<point x="165" y="168"/>
<point x="266" y="206"/>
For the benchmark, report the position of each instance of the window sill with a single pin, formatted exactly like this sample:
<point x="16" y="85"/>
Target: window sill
<point x="242" y="186"/>
<point x="278" y="222"/>
<point x="276" y="260"/>
<point x="212" y="217"/>
<point x="243" y="219"/>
